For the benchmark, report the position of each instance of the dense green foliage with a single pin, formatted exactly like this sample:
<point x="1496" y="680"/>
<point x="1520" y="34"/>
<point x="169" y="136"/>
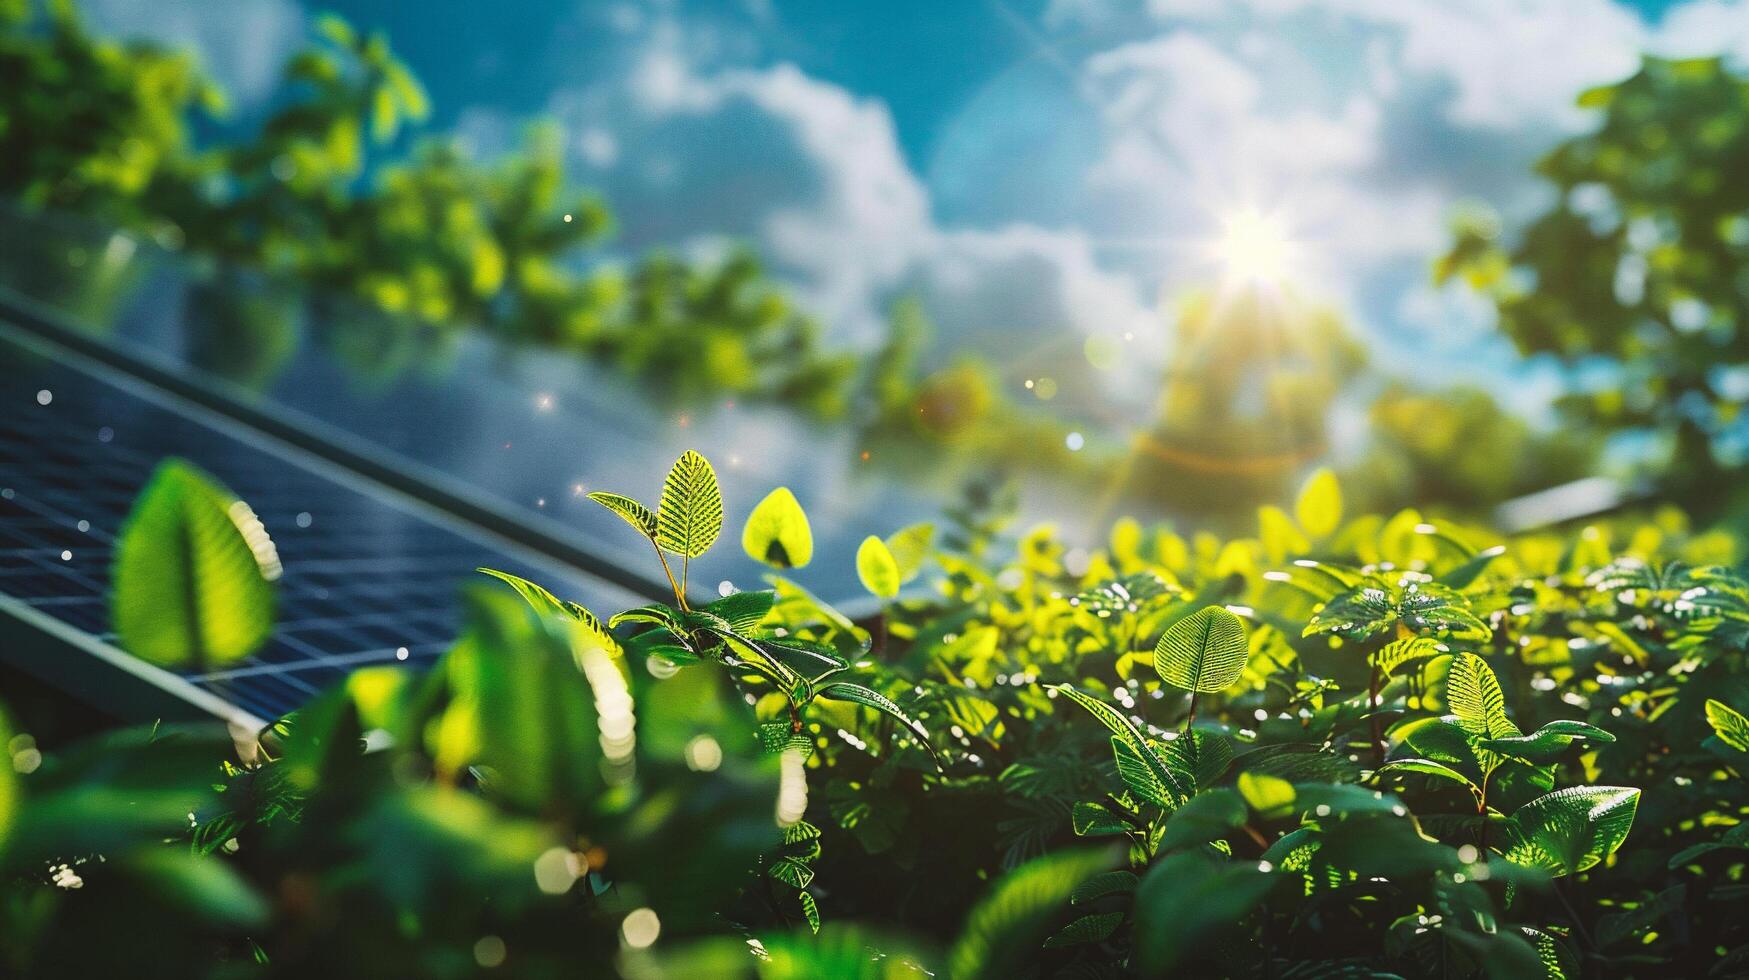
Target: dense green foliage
<point x="324" y="192"/>
<point x="1640" y="265"/>
<point x="1347" y="745"/>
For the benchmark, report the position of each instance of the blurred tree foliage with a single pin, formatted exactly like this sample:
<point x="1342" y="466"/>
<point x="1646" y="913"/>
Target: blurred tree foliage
<point x="962" y="406"/>
<point x="1639" y="273"/>
<point x="1245" y="399"/>
<point x="1458" y="450"/>
<point x="88" y="124"/>
<point x="323" y="193"/>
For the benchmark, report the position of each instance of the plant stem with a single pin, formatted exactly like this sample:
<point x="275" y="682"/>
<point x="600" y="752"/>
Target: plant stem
<point x="679" y="594"/>
<point x="1190" y="717"/>
<point x="1256" y="837"/>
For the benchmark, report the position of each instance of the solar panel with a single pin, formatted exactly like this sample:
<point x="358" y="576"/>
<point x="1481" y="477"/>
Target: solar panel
<point x="387" y="459"/>
<point x="367" y="579"/>
<point x="502" y="433"/>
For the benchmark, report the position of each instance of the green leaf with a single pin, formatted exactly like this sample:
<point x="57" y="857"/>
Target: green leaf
<point x="804" y="656"/>
<point x="629" y="510"/>
<point x="1319" y="505"/>
<point x="910" y="546"/>
<point x="1141" y="771"/>
<point x="777" y="532"/>
<point x="1428" y="607"/>
<point x="1378" y="604"/>
<point x="876" y="568"/>
<point x="1271" y="796"/>
<point x="1461" y="576"/>
<point x="1729" y="724"/>
<point x="1198" y="757"/>
<point x="654" y="613"/>
<point x="1003" y="932"/>
<point x="1124" y="596"/>
<point x="1205" y="817"/>
<point x="1426" y="767"/>
<point x="1399" y="652"/>
<point x="1558" y="961"/>
<point x="777" y="737"/>
<point x="743" y="611"/>
<point x="1358" y="614"/>
<point x="192" y="579"/>
<point x="1473" y="693"/>
<point x="1184" y="905"/>
<point x="1546" y="744"/>
<point x="791" y="872"/>
<point x="1099" y="886"/>
<point x="1638" y="917"/>
<point x="1299" y="763"/>
<point x="1129" y="734"/>
<point x="547" y="604"/>
<point x="1280" y="536"/>
<point x="690" y="515"/>
<point x="845" y="691"/>
<point x="1087" y="929"/>
<point x="514" y="709"/>
<point x="1093" y="820"/>
<point x="1571" y="830"/>
<point x="1204" y="651"/>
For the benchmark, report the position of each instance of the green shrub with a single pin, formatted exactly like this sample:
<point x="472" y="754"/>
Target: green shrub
<point x="1357" y="746"/>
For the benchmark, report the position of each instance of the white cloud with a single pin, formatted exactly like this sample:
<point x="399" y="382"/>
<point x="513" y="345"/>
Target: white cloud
<point x="1512" y="61"/>
<point x="816" y="177"/>
<point x="1701" y="28"/>
<point x="1508" y="62"/>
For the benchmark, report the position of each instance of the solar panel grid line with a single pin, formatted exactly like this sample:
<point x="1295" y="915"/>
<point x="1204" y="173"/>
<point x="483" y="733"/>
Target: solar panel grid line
<point x="365" y="575"/>
<point x="349" y="458"/>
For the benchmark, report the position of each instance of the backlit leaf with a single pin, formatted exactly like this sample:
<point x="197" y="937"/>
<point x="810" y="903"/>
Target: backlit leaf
<point x="1131" y="737"/>
<point x="910" y="546"/>
<point x="777" y="532"/>
<point x="1319" y="505"/>
<point x="1203" y="652"/>
<point x="690" y="515"/>
<point x="1546" y="744"/>
<point x="547" y="604"/>
<point x="1729" y="724"/>
<point x="191" y="583"/>
<point x="843" y="691"/>
<point x="876" y="568"/>
<point x="743" y="611"/>
<point x="1571" y="830"/>
<point x="1474" y="695"/>
<point x="637" y="515"/>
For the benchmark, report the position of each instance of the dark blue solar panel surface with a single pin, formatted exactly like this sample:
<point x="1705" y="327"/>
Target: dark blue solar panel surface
<point x="366" y="580"/>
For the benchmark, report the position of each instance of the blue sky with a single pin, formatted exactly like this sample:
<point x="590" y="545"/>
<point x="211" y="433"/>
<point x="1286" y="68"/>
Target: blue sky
<point x="1036" y="170"/>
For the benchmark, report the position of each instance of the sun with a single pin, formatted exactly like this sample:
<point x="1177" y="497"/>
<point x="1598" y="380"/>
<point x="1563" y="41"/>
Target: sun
<point x="1255" y="248"/>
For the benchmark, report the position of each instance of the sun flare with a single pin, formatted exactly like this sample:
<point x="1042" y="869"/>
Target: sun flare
<point x="1255" y="248"/>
